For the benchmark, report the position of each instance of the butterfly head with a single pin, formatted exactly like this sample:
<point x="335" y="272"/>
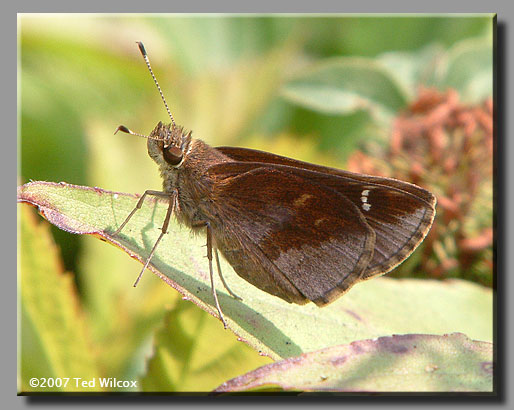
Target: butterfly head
<point x="168" y="144"/>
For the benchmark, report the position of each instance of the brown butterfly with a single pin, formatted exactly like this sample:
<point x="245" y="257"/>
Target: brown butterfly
<point x="299" y="231"/>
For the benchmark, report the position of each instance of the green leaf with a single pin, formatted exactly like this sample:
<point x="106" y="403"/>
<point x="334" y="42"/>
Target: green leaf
<point x="185" y="358"/>
<point x="53" y="329"/>
<point x="468" y="68"/>
<point x="406" y="363"/>
<point x="216" y="43"/>
<point x="346" y="85"/>
<point x="412" y="69"/>
<point x="268" y="324"/>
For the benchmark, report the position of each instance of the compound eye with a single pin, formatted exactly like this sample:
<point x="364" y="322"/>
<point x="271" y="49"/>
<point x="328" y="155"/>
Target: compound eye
<point x="172" y="155"/>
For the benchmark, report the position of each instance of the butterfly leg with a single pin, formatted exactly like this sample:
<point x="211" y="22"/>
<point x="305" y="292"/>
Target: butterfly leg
<point x="139" y="205"/>
<point x="209" y="257"/>
<point x="221" y="276"/>
<point x="164" y="229"/>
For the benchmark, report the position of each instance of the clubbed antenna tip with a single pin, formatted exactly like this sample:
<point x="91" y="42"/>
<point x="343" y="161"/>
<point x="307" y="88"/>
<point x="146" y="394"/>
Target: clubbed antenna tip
<point x="141" y="48"/>
<point x="122" y="128"/>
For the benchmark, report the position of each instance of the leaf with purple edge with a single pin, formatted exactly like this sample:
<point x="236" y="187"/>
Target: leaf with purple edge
<point x="400" y="363"/>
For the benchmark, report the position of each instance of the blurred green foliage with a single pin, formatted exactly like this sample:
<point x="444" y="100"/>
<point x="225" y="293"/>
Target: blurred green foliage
<point x="247" y="81"/>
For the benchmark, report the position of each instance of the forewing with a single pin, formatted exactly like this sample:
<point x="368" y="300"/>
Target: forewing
<point x="316" y="237"/>
<point x="250" y="155"/>
<point x="399" y="219"/>
<point x="400" y="213"/>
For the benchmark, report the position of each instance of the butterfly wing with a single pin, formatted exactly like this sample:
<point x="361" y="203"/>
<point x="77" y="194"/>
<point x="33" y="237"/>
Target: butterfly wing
<point x="399" y="213"/>
<point x="295" y="239"/>
<point x="251" y="155"/>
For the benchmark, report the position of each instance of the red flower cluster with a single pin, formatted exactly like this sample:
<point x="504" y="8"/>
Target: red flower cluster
<point x="447" y="147"/>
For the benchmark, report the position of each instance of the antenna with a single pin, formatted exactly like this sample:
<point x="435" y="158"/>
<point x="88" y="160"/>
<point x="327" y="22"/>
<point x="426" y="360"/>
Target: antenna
<point x="124" y="129"/>
<point x="145" y="56"/>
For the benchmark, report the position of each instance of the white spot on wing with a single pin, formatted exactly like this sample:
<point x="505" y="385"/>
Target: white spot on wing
<point x="364" y="200"/>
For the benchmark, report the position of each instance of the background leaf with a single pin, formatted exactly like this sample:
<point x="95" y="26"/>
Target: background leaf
<point x="467" y="68"/>
<point x="346" y="85"/>
<point x="192" y="362"/>
<point x="53" y="327"/>
<point x="413" y="69"/>
<point x="406" y="363"/>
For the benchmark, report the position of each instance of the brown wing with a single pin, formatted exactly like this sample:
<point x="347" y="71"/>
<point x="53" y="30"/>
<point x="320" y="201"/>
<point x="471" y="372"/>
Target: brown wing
<point x="399" y="213"/>
<point x="304" y="234"/>
<point x="251" y="155"/>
